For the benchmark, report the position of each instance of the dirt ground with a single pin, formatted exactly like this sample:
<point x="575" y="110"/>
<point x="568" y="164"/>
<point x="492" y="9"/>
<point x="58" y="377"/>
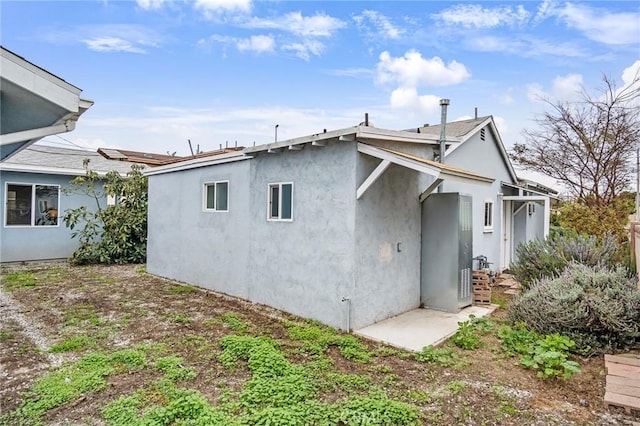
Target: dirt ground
<point x="118" y="307"/>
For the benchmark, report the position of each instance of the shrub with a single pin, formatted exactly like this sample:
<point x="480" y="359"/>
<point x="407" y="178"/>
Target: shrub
<point x="548" y="258"/>
<point x="112" y="234"/>
<point x="597" y="307"/>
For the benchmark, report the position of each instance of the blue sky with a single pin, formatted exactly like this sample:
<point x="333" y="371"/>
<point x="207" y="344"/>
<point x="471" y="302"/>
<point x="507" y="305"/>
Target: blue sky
<point x="225" y="71"/>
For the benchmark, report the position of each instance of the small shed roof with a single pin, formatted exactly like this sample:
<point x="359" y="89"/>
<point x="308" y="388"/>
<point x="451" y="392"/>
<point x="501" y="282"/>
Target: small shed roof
<point x="61" y="161"/>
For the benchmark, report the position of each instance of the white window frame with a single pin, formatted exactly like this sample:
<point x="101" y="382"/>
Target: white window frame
<point x="278" y="218"/>
<point x="34" y="207"/>
<point x="215" y="208"/>
<point x="488" y="218"/>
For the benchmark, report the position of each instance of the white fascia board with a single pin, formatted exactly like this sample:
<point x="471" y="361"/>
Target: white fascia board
<point x="368" y="133"/>
<point x="317" y="137"/>
<point x="39" y="82"/>
<point x="197" y="162"/>
<point x="40" y="133"/>
<point x="401" y="161"/>
<point x="525" y="198"/>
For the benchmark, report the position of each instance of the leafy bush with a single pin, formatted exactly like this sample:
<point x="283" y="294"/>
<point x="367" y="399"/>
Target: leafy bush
<point x="548" y="258"/>
<point x="588" y="217"/>
<point x="550" y="356"/>
<point x="598" y="307"/>
<point x="111" y="234"/>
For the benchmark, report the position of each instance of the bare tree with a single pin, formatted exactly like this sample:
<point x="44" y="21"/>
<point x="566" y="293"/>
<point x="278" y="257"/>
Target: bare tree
<point x="587" y="145"/>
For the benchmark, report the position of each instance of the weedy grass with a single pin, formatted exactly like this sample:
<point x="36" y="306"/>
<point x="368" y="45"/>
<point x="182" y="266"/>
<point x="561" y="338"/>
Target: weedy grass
<point x="17" y="280"/>
<point x="75" y="343"/>
<point x="317" y="338"/>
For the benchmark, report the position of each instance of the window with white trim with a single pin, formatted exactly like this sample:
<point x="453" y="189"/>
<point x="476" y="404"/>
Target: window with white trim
<point x="31" y="204"/>
<point x="488" y="216"/>
<point x="280" y="201"/>
<point x="216" y="196"/>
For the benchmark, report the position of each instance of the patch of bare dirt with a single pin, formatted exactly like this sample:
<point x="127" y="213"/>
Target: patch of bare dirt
<point x="122" y="306"/>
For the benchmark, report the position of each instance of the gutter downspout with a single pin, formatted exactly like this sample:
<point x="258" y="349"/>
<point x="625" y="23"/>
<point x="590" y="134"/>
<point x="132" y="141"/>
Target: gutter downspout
<point x="443" y="132"/>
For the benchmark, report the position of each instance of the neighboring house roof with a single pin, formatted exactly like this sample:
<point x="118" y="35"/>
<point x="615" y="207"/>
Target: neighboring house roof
<point x="61" y="161"/>
<point x="34" y="103"/>
<point x="152" y="159"/>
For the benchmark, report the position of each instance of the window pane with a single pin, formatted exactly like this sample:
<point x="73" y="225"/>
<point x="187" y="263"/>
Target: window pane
<point x="287" y="190"/>
<point x="222" y="196"/>
<point x="488" y="214"/>
<point x="18" y="204"/>
<point x="211" y="191"/>
<point x="274" y="199"/>
<point x="46" y="205"/>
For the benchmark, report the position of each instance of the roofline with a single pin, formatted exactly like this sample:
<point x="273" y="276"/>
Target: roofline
<point x="28" y="168"/>
<point x="524" y="188"/>
<point x="24" y="63"/>
<point x="197" y="163"/>
<point x="503" y="152"/>
<point x="349" y="134"/>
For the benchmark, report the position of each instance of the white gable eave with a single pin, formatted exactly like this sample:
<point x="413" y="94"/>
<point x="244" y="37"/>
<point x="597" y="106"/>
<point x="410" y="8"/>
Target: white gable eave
<point x="197" y="163"/>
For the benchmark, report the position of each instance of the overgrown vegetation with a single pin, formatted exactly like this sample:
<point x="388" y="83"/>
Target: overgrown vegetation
<point x="585" y="217"/>
<point x="223" y="363"/>
<point x="597" y="307"/>
<point x="548" y="354"/>
<point x="115" y="233"/>
<point x="68" y="383"/>
<point x="539" y="259"/>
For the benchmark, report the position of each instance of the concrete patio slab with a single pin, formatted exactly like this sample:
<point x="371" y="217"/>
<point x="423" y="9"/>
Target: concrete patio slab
<point x="416" y="329"/>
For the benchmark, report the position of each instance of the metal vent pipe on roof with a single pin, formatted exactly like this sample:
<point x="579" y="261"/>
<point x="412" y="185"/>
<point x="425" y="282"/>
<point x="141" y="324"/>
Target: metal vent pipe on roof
<point x="443" y="131"/>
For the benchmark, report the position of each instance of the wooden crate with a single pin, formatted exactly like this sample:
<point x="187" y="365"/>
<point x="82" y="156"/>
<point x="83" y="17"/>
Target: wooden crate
<point x="623" y="382"/>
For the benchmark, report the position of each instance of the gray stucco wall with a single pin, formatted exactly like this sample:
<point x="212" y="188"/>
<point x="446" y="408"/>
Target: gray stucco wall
<point x="26" y="243"/>
<point x="387" y="244"/>
<point x="305" y="266"/>
<point x="484" y="158"/>
<point x="208" y="249"/>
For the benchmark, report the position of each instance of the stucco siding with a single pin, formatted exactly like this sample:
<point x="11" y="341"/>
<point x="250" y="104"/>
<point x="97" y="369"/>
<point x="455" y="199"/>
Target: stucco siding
<point x="387" y="245"/>
<point x="186" y="243"/>
<point x="305" y="266"/>
<point x="482" y="157"/>
<point x="27" y="243"/>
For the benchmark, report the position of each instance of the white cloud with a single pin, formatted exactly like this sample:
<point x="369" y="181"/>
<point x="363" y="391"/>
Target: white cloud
<point x="318" y="25"/>
<point x="211" y="8"/>
<point x="258" y="43"/>
<point x="351" y="72"/>
<point x="112" y="44"/>
<point x="631" y="74"/>
<point x="567" y="88"/>
<point x="382" y="25"/>
<point x="526" y="46"/>
<point x="412" y="70"/>
<point x="305" y="48"/>
<point x="408" y="99"/>
<point x="602" y="25"/>
<point x="150" y="4"/>
<point x="476" y="16"/>
<point x="536" y="93"/>
<point x="506" y="98"/>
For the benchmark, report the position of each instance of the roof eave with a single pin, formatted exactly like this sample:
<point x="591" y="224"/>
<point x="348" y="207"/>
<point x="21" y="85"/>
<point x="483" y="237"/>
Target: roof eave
<point x="197" y="163"/>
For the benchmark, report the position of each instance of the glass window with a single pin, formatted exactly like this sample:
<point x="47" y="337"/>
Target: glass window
<point x="32" y="205"/>
<point x="488" y="215"/>
<point x="216" y="196"/>
<point x="280" y="201"/>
